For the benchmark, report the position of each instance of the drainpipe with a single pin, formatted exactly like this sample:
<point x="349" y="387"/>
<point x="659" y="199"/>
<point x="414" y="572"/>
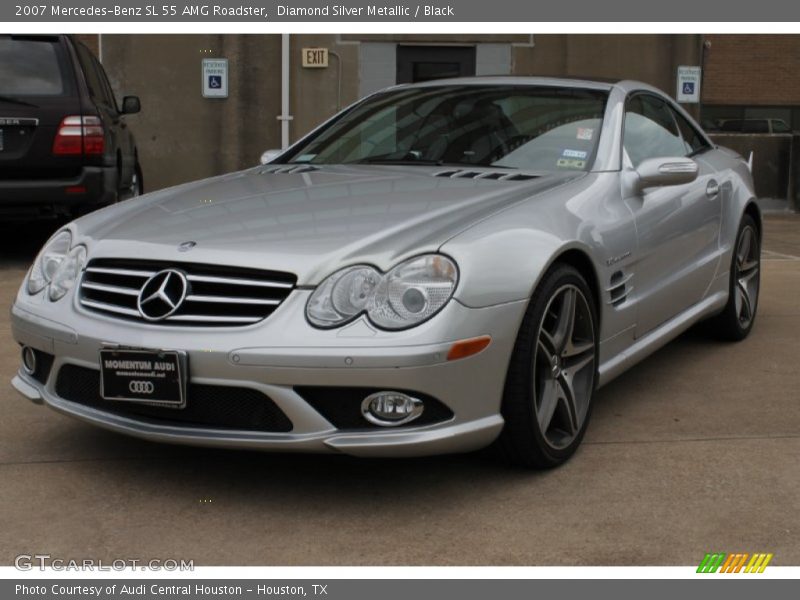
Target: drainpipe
<point x="285" y="117"/>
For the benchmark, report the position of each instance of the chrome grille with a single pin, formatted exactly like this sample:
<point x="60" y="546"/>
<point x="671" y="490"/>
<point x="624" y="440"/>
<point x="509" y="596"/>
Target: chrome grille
<point x="217" y="296"/>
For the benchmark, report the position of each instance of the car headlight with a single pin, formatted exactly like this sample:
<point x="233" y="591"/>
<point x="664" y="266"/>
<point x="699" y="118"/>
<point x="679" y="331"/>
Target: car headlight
<point x="46" y="264"/>
<point x="410" y="293"/>
<point x="67" y="273"/>
<point x="57" y="266"/>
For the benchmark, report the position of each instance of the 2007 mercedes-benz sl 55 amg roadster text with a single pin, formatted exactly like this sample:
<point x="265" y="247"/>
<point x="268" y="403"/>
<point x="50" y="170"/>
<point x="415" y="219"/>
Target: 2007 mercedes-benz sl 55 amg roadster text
<point x="440" y="267"/>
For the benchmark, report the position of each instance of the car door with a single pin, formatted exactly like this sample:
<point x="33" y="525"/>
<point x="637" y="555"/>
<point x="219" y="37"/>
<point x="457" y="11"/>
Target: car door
<point x="122" y="133"/>
<point x="105" y="104"/>
<point x="677" y="227"/>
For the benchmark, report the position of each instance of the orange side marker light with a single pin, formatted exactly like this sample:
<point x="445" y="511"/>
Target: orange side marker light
<point x="470" y="347"/>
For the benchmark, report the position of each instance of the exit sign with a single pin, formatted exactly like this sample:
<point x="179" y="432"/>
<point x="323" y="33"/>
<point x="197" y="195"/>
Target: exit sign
<point x="315" y="58"/>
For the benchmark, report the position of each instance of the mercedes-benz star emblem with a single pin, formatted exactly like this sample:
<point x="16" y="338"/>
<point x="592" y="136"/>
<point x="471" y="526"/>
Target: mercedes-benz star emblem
<point x="162" y="295"/>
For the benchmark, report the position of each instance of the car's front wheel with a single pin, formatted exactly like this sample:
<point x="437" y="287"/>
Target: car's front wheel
<point x="547" y="400"/>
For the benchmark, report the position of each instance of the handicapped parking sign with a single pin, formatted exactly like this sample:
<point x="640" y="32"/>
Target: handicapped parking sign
<point x="215" y="77"/>
<point x="688" y="84"/>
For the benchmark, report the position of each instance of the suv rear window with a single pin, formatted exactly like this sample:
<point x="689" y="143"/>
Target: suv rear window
<point x="30" y="67"/>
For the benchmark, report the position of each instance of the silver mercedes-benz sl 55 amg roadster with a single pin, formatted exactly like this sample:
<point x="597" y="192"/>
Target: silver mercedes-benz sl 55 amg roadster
<point x="438" y="268"/>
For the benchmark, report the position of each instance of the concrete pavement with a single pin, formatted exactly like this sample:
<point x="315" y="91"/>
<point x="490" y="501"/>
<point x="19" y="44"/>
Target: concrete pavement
<point x="694" y="450"/>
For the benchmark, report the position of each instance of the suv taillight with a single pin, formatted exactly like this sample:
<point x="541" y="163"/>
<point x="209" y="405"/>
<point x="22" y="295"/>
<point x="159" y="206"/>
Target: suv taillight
<point x="79" y="135"/>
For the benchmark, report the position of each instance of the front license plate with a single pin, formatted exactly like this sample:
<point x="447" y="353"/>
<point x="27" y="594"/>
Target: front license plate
<point x="146" y="376"/>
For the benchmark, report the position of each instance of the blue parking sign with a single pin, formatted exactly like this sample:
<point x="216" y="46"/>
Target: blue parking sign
<point x="215" y="81"/>
<point x="688" y="87"/>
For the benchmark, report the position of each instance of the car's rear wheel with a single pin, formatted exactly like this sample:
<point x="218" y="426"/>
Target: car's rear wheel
<point x="736" y="320"/>
<point x="550" y="384"/>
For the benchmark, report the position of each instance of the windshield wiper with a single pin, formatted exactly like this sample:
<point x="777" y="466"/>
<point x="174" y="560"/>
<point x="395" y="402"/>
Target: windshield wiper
<point x="11" y="100"/>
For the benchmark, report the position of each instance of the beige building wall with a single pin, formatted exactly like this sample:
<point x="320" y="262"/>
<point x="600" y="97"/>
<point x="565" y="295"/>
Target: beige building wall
<point x="182" y="136"/>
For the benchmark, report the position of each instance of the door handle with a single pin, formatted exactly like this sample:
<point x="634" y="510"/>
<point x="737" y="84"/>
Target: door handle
<point x="712" y="189"/>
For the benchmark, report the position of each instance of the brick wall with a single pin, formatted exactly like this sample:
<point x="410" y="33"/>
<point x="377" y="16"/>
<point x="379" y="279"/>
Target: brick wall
<point x="752" y="70"/>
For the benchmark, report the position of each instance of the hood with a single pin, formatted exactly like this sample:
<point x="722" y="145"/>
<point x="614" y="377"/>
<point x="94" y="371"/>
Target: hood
<point x="309" y="223"/>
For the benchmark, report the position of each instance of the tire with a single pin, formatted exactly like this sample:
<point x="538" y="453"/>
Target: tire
<point x="554" y="358"/>
<point x="736" y="320"/>
<point x="134" y="188"/>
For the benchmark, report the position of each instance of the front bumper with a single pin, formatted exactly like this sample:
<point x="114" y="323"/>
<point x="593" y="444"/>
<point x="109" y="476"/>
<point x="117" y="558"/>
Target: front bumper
<point x="269" y="358"/>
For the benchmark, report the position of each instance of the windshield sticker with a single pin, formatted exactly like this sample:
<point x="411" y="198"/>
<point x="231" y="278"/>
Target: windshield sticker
<point x="570" y="163"/>
<point x="305" y="158"/>
<point x="573" y="153"/>
<point x="585" y="133"/>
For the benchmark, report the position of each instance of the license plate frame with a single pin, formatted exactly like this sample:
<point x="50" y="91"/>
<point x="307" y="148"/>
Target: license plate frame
<point x="144" y="376"/>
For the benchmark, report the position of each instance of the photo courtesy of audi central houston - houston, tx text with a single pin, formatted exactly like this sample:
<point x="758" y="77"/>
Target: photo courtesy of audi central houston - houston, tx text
<point x="322" y="298"/>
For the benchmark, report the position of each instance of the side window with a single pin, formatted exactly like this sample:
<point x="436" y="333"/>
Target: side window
<point x="108" y="93"/>
<point x="732" y="125"/>
<point x="779" y="126"/>
<point x="650" y="130"/>
<point x="92" y="80"/>
<point x="692" y="140"/>
<point x="755" y="126"/>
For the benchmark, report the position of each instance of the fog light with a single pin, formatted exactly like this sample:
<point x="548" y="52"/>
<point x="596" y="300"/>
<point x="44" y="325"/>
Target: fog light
<point x="28" y="360"/>
<point x="389" y="409"/>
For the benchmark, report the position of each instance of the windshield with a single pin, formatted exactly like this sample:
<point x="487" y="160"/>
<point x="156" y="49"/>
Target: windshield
<point x="515" y="127"/>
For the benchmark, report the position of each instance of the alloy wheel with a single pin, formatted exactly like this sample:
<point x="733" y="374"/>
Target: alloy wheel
<point x="746" y="276"/>
<point x="564" y="366"/>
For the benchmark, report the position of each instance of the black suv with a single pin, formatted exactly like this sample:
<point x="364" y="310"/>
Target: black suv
<point x="65" y="148"/>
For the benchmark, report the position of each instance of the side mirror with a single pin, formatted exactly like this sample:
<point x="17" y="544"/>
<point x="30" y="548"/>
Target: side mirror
<point x="131" y="105"/>
<point x="665" y="171"/>
<point x="269" y="156"/>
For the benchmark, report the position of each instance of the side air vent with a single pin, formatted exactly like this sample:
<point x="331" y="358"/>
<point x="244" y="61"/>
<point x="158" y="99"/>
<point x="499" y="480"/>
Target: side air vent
<point x="619" y="287"/>
<point x="289" y="169"/>
<point x="496" y="175"/>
